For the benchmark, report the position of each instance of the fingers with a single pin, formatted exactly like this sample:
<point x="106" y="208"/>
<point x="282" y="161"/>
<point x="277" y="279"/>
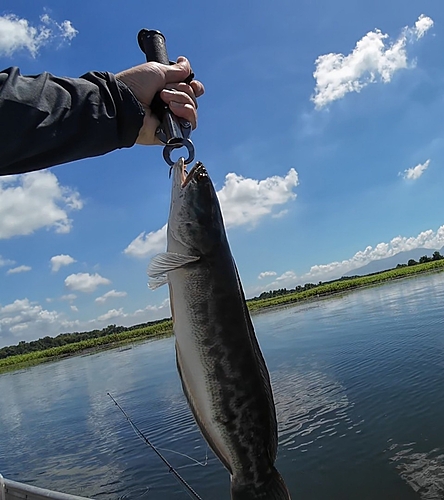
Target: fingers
<point x="197" y="87"/>
<point x="183" y="88"/>
<point x="181" y="104"/>
<point x="179" y="72"/>
<point x="182" y="97"/>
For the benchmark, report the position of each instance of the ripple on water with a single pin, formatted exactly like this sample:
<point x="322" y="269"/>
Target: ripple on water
<point x="422" y="471"/>
<point x="310" y="406"/>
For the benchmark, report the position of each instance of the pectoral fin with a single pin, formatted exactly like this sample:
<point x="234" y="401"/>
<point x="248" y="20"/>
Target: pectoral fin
<point x="163" y="263"/>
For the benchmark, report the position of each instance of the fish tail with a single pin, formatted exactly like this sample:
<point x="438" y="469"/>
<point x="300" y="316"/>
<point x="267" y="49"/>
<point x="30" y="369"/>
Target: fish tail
<point x="273" y="489"/>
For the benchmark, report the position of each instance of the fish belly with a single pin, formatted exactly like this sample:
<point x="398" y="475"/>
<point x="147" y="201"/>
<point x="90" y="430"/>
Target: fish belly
<point x="195" y="367"/>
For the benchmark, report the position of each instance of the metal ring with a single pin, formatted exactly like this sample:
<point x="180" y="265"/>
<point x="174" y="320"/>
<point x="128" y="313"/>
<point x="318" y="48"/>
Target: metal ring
<point x="169" y="148"/>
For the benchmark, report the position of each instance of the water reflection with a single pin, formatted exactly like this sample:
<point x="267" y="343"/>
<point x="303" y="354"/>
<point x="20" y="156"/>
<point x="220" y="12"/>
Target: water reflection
<point x="350" y="374"/>
<point x="310" y="407"/>
<point x="422" y="471"/>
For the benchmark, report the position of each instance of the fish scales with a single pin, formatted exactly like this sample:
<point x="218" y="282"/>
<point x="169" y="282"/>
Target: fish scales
<point x="223" y="372"/>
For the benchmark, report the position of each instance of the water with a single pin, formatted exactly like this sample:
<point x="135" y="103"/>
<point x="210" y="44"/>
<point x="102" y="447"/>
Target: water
<point x="358" y="384"/>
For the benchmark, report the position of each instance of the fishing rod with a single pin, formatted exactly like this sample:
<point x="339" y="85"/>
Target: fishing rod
<point x="171" y="469"/>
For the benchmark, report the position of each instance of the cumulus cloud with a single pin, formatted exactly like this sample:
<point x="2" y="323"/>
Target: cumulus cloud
<point x="6" y="262"/>
<point x="374" y="59"/>
<point x="26" y="320"/>
<point x="23" y="319"/>
<point x="112" y="314"/>
<point x="429" y="239"/>
<point x="148" y="244"/>
<point x="60" y="260"/>
<point x="415" y="172"/>
<point x="244" y="201"/>
<point x="422" y="25"/>
<point x="85" y="282"/>
<point x="32" y="201"/>
<point x="18" y="34"/>
<point x="140" y="315"/>
<point x="69" y="297"/>
<point x="266" y="274"/>
<point x="110" y="295"/>
<point x="19" y="269"/>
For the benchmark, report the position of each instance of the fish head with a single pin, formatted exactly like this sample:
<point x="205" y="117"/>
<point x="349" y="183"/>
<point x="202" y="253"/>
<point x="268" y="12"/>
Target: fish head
<point x="195" y="224"/>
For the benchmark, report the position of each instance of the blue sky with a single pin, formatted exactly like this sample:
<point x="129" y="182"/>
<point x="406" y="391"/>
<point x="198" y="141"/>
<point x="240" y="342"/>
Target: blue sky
<point x="321" y="126"/>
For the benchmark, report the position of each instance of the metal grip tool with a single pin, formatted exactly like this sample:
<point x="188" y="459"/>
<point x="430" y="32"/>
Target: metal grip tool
<point x="174" y="132"/>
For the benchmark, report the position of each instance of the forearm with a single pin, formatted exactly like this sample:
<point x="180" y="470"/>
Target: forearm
<point x="46" y="120"/>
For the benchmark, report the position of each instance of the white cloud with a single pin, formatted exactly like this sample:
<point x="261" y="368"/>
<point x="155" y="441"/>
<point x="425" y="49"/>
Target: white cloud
<point x="69" y="297"/>
<point x="6" y="262"/>
<point x="323" y="272"/>
<point x="85" y="282"/>
<point x="266" y="274"/>
<point x="65" y="29"/>
<point x="415" y="172"/>
<point x="422" y="25"/>
<point x="373" y="59"/>
<point x="32" y="201"/>
<point x="19" y="34"/>
<point x="19" y="269"/>
<point x="112" y="314"/>
<point x="140" y="315"/>
<point x="25" y="319"/>
<point x="60" y="260"/>
<point x="148" y="244"/>
<point x="243" y="201"/>
<point x="109" y="295"/>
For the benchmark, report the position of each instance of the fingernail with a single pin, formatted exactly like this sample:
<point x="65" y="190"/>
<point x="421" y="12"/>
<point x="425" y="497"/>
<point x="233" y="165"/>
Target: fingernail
<point x="175" y="104"/>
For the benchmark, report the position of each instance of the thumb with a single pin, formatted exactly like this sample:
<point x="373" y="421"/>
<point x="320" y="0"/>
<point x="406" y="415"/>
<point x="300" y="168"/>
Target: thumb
<point x="178" y="72"/>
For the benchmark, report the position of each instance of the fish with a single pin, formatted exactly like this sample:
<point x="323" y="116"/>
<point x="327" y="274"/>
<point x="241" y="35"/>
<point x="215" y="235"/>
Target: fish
<point x="222" y="370"/>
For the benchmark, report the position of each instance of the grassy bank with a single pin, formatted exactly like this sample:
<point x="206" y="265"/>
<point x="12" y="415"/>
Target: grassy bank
<point x="21" y="360"/>
<point x="349" y="284"/>
<point x="165" y="327"/>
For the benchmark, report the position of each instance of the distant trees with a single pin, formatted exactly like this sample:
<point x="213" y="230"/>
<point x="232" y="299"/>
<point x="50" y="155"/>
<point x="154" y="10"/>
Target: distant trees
<point x="437" y="256"/>
<point x="422" y="260"/>
<point x="283" y="291"/>
<point x="67" y="338"/>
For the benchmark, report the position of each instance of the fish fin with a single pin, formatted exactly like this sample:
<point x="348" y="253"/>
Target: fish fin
<point x="264" y="374"/>
<point x="196" y="415"/>
<point x="158" y="281"/>
<point x="168" y="261"/>
<point x="273" y="488"/>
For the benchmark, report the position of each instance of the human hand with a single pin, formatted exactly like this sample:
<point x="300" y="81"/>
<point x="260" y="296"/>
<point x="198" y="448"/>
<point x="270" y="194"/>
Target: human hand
<point x="147" y="79"/>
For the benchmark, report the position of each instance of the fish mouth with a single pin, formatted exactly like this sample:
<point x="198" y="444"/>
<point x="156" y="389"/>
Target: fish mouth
<point x="198" y="171"/>
<point x="181" y="177"/>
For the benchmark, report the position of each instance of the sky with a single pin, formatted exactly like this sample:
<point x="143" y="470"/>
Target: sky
<point x="322" y="128"/>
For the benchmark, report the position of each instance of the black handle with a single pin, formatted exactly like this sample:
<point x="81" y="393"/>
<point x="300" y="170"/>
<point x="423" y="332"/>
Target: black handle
<point x="173" y="132"/>
<point x="152" y="43"/>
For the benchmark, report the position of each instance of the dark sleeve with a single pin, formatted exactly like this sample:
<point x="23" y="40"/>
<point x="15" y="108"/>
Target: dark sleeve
<point x="46" y="120"/>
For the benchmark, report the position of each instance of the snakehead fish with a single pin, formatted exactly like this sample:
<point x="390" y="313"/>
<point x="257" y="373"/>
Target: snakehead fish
<point x="223" y="372"/>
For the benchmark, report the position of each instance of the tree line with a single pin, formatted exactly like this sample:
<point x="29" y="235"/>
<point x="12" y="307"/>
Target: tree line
<point x="47" y="342"/>
<point x="68" y="338"/>
<point x="302" y="288"/>
<point x="412" y="262"/>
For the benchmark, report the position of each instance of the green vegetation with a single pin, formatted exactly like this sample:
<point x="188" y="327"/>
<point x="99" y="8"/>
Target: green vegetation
<point x="67" y="344"/>
<point x="311" y="290"/>
<point x="30" y="355"/>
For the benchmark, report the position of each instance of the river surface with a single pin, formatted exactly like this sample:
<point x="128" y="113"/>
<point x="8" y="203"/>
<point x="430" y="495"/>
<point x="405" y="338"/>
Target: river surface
<point x="359" y="389"/>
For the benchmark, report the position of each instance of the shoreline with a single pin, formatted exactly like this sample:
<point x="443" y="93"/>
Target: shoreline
<point x="164" y="328"/>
